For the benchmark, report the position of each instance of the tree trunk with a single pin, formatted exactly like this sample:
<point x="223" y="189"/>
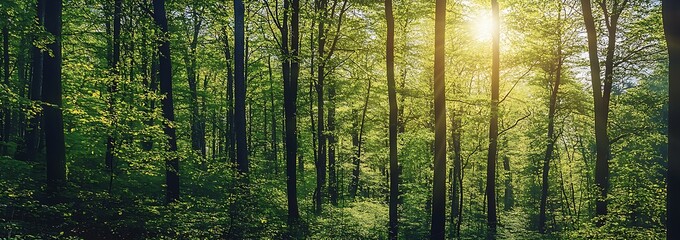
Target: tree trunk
<point x="456" y="180"/>
<point x="230" y="138"/>
<point x="33" y="134"/>
<point x="190" y="62"/>
<point x="290" y="108"/>
<point x="357" y="140"/>
<point x="7" y="112"/>
<point x="165" y="77"/>
<point x="493" y="126"/>
<point x="551" y="140"/>
<point x="332" y="142"/>
<point x="393" y="123"/>
<point x="601" y="102"/>
<point x="54" y="123"/>
<point x="113" y="88"/>
<point x="439" y="182"/>
<point x="671" y="23"/>
<point x="240" y="88"/>
<point x="321" y="138"/>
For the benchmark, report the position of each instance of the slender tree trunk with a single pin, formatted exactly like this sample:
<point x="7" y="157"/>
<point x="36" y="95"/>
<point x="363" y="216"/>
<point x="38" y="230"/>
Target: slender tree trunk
<point x="439" y="186"/>
<point x="190" y="62"/>
<point x="493" y="128"/>
<point x="165" y="76"/>
<point x="274" y="139"/>
<point x="393" y="123"/>
<point x="332" y="142"/>
<point x="551" y="141"/>
<point x="7" y="112"/>
<point x="240" y="88"/>
<point x="456" y="180"/>
<point x="671" y="11"/>
<point x="321" y="137"/>
<point x="509" y="199"/>
<point x="54" y="123"/>
<point x="113" y="88"/>
<point x="231" y="144"/>
<point x="290" y="108"/>
<point x="33" y="134"/>
<point x="357" y="140"/>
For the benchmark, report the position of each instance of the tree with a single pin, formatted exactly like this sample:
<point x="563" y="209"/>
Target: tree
<point x="555" y="71"/>
<point x="290" y="104"/>
<point x="240" y="88"/>
<point x="602" y="94"/>
<point x="51" y="95"/>
<point x="320" y="8"/>
<point x="7" y="112"/>
<point x="113" y="87"/>
<point x="491" y="219"/>
<point x="33" y="134"/>
<point x="437" y="230"/>
<point x="671" y="23"/>
<point x="165" y="79"/>
<point x="392" y="95"/>
<point x="197" y="119"/>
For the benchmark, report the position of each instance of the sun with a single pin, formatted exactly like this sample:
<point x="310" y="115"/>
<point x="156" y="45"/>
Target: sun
<point x="482" y="26"/>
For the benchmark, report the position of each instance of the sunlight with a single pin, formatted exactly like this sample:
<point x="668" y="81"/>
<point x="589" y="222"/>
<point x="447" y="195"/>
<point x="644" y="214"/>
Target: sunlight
<point x="482" y="26"/>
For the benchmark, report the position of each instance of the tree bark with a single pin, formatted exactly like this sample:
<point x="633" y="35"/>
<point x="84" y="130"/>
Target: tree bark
<point x="671" y="11"/>
<point x="165" y="77"/>
<point x="439" y="182"/>
<point x="197" y="138"/>
<point x="493" y="125"/>
<point x="240" y="88"/>
<point x="551" y="140"/>
<point x="33" y="134"/>
<point x="357" y="140"/>
<point x="7" y="111"/>
<point x="230" y="138"/>
<point x="456" y="180"/>
<point x="321" y="137"/>
<point x="113" y="88"/>
<point x="290" y="108"/>
<point x="332" y="142"/>
<point x="393" y="123"/>
<point x="601" y="96"/>
<point x="54" y="123"/>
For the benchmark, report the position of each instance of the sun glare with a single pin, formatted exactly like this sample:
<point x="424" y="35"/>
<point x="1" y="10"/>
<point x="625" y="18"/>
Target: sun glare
<point x="482" y="26"/>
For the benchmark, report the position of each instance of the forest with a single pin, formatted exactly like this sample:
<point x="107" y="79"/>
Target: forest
<point x="339" y="119"/>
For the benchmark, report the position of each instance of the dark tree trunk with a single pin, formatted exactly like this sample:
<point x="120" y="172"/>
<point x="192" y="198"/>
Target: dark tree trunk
<point x="456" y="180"/>
<point x="165" y="77"/>
<point x="274" y="140"/>
<point x="197" y="135"/>
<point x="33" y="135"/>
<point x="393" y="123"/>
<point x="493" y="126"/>
<point x="508" y="198"/>
<point x="113" y="88"/>
<point x="240" y="88"/>
<point x="332" y="142"/>
<point x="230" y="138"/>
<point x="601" y="97"/>
<point x="54" y="123"/>
<point x="439" y="182"/>
<point x="290" y="108"/>
<point x="357" y="140"/>
<point x="7" y="111"/>
<point x="321" y="138"/>
<point x="551" y="140"/>
<point x="671" y="22"/>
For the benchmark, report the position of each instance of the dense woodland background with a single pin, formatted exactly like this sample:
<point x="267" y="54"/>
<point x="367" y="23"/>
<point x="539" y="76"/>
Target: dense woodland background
<point x="337" y="119"/>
